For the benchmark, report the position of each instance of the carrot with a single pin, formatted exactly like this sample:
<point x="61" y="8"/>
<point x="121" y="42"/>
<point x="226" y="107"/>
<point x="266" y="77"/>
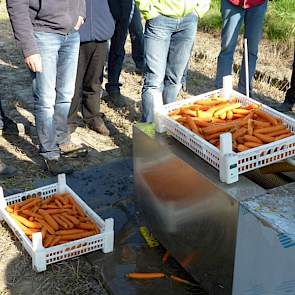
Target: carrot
<point x="86" y="225"/>
<point x="214" y="141"/>
<point x="25" y="221"/>
<point x="48" y="240"/>
<point x="223" y="116"/>
<point x="49" y="219"/>
<point x="201" y="123"/>
<point x="60" y="222"/>
<point x="284" y="136"/>
<point x="43" y="232"/>
<point x="264" y="137"/>
<point x="241" y="111"/>
<point x="213" y="136"/>
<point x="220" y="127"/>
<point x="266" y="117"/>
<point x="252" y="144"/>
<point x="55" y="241"/>
<point x="252" y="138"/>
<point x="70" y="232"/>
<point x="266" y="130"/>
<point x="227" y="108"/>
<point x="146" y="275"/>
<point x="9" y="209"/>
<point x="229" y="115"/>
<point x="28" y="212"/>
<point x="261" y="123"/>
<point x="73" y="219"/>
<point x="26" y="230"/>
<point x="79" y="236"/>
<point x="181" y="280"/>
<point x="193" y="126"/>
<point x="188" y="112"/>
<point x="31" y="204"/>
<point x="62" y="198"/>
<point x="31" y="218"/>
<point x="242" y="148"/>
<point x="79" y="210"/>
<point x="204" y="114"/>
<point x="238" y="116"/>
<point x="57" y="211"/>
<point x="176" y="112"/>
<point x="69" y="223"/>
<point x="239" y="132"/>
<point x="46" y="225"/>
<point x="49" y="206"/>
<point x="165" y="256"/>
<point x="250" y="127"/>
<point x="279" y="132"/>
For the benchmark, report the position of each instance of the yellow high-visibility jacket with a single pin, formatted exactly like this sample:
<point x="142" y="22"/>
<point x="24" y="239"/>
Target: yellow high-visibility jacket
<point x="172" y="8"/>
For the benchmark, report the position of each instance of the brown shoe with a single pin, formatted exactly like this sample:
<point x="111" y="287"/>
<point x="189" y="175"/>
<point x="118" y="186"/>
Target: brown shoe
<point x="98" y="125"/>
<point x="72" y="150"/>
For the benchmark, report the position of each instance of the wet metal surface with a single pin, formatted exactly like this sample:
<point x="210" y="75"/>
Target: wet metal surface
<point x="108" y="189"/>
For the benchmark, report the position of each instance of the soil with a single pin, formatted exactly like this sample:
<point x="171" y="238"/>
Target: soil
<point x="21" y="150"/>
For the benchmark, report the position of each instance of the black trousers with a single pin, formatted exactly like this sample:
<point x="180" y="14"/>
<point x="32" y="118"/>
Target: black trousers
<point x="290" y="94"/>
<point x="92" y="58"/>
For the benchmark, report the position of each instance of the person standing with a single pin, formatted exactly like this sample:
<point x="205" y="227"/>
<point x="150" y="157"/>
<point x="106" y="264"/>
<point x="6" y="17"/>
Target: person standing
<point x="289" y="101"/>
<point x="169" y="35"/>
<point x="234" y="13"/>
<point x="47" y="33"/>
<point x="98" y="28"/>
<point x="126" y="18"/>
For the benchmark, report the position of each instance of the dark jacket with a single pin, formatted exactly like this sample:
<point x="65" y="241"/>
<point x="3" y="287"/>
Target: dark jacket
<point x="115" y="8"/>
<point x="55" y="16"/>
<point x="99" y="24"/>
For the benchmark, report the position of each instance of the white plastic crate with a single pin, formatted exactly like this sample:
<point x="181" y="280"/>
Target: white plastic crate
<point x="41" y="256"/>
<point x="232" y="164"/>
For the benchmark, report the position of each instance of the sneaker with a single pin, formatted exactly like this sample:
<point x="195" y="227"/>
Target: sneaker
<point x="72" y="150"/>
<point x="59" y="166"/>
<point x="98" y="125"/>
<point x="117" y="98"/>
<point x="7" y="171"/>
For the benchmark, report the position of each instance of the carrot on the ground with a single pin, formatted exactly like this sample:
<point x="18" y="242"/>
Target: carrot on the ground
<point x="181" y="280"/>
<point x="146" y="275"/>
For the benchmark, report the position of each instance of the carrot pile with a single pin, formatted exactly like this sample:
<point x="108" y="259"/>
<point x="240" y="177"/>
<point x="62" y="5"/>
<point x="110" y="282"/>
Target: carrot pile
<point x="59" y="218"/>
<point x="250" y="126"/>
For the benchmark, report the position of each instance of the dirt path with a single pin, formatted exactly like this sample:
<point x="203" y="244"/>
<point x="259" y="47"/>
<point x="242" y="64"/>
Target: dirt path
<point x="21" y="151"/>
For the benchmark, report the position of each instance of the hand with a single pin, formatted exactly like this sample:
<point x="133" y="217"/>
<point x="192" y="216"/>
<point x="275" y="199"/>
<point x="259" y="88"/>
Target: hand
<point x="34" y="62"/>
<point x="80" y="22"/>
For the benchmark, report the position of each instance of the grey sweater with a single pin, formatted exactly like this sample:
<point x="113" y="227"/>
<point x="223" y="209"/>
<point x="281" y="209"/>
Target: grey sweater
<point x="55" y="16"/>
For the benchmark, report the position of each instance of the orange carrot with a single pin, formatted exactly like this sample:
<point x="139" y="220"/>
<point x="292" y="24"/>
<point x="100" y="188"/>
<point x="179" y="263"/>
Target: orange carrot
<point x="60" y="222"/>
<point x="227" y="108"/>
<point x="271" y="129"/>
<point x="252" y="138"/>
<point x="55" y="241"/>
<point x="146" y="275"/>
<point x="9" y="209"/>
<point x="284" y="136"/>
<point x="264" y="137"/>
<point x="242" y="148"/>
<point x="266" y="117"/>
<point x="252" y="144"/>
<point x="46" y="225"/>
<point x="181" y="280"/>
<point x="49" y="206"/>
<point x="279" y="132"/>
<point x="69" y="223"/>
<point x="239" y="132"/>
<point x="188" y="112"/>
<point x="261" y="123"/>
<point x="31" y="204"/>
<point x="48" y="240"/>
<point x="241" y="111"/>
<point x="229" y="115"/>
<point x="26" y="230"/>
<point x="43" y="232"/>
<point x="79" y="236"/>
<point x="49" y="219"/>
<point x="28" y="212"/>
<point x="250" y="127"/>
<point x="70" y="232"/>
<point x="25" y="221"/>
<point x="73" y="219"/>
<point x="86" y="225"/>
<point x="193" y="126"/>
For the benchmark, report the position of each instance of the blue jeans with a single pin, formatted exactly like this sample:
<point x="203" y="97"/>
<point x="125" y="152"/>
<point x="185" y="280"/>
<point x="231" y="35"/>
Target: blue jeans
<point x="232" y="19"/>
<point x="168" y="43"/>
<point x="53" y="89"/>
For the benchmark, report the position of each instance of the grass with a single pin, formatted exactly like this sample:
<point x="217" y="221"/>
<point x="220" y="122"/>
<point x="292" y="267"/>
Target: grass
<point x="279" y="21"/>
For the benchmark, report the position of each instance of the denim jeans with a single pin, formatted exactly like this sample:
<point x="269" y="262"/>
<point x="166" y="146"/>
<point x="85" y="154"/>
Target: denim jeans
<point x="167" y="44"/>
<point x="136" y="36"/>
<point x="117" y="51"/>
<point x="232" y="19"/>
<point x="53" y="89"/>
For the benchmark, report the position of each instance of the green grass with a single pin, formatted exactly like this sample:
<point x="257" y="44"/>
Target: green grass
<point x="279" y="21"/>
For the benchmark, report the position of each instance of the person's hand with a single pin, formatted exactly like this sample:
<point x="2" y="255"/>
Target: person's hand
<point x="34" y="62"/>
<point x="80" y="22"/>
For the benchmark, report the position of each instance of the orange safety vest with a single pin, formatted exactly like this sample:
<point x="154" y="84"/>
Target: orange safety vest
<point x="246" y="3"/>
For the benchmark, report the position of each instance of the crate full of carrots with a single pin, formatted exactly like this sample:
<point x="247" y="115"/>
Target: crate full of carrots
<point x="53" y="224"/>
<point x="260" y="135"/>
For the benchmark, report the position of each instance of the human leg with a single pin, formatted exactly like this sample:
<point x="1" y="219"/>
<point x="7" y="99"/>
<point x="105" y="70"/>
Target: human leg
<point x="232" y="18"/>
<point x="181" y="44"/>
<point x="137" y="42"/>
<point x="157" y="35"/>
<point x="254" y="20"/>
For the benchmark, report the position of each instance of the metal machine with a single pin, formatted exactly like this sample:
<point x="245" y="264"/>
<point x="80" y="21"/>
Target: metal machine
<point x="234" y="239"/>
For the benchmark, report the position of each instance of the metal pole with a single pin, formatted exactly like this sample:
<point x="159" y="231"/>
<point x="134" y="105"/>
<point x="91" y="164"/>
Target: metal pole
<point x="247" y="67"/>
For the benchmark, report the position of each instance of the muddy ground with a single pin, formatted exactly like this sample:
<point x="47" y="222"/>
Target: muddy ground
<point x="21" y="150"/>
